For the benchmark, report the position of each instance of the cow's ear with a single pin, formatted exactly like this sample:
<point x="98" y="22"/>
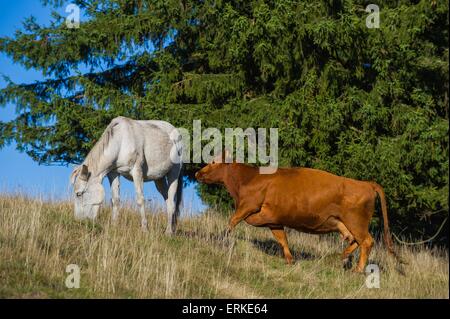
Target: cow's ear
<point x="218" y="158"/>
<point x="84" y="173"/>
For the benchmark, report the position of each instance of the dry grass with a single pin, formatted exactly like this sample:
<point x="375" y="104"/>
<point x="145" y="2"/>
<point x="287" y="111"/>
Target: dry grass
<point x="38" y="240"/>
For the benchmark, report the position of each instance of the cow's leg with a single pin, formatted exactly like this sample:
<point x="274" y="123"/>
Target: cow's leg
<point x="114" y="181"/>
<point x="365" y="248"/>
<point x="238" y="216"/>
<point x="346" y="254"/>
<point x="139" y="188"/>
<point x="242" y="212"/>
<point x="280" y="236"/>
<point x="357" y="219"/>
<point x="363" y="240"/>
<point x="345" y="233"/>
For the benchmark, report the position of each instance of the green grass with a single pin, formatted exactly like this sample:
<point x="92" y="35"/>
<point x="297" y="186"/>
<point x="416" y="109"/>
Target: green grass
<point x="38" y="240"/>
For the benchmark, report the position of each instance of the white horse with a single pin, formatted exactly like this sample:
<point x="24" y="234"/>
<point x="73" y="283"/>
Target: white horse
<point x="140" y="151"/>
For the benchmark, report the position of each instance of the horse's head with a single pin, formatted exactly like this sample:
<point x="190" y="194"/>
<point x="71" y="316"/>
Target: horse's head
<point x="89" y="193"/>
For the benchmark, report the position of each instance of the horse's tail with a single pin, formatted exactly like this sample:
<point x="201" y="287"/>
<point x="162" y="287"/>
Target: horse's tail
<point x="179" y="196"/>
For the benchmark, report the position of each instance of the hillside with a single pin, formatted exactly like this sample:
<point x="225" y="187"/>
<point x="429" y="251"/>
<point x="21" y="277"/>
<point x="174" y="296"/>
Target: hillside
<point x="38" y="240"/>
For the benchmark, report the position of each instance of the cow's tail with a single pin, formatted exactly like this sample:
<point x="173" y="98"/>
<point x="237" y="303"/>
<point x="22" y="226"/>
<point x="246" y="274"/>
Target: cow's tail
<point x="387" y="234"/>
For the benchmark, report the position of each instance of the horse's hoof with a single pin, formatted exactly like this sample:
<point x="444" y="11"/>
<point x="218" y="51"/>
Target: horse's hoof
<point x="169" y="232"/>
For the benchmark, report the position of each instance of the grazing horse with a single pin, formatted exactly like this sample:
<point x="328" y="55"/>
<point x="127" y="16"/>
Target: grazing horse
<point x="140" y="151"/>
<point x="308" y="200"/>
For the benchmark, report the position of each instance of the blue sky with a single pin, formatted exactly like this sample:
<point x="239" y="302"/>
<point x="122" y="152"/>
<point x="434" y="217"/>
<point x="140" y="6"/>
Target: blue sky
<point x="18" y="172"/>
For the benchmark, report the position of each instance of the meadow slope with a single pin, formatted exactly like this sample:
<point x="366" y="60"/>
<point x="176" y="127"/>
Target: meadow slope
<point x="39" y="239"/>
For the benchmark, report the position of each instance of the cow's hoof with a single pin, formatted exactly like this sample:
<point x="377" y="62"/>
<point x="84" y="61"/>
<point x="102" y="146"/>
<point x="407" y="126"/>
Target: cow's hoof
<point x="347" y="263"/>
<point x="290" y="262"/>
<point x="227" y="239"/>
<point x="358" y="270"/>
<point x="226" y="234"/>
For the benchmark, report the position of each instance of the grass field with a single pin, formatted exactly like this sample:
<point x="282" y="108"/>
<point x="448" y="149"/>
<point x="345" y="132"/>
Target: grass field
<point x="39" y="239"/>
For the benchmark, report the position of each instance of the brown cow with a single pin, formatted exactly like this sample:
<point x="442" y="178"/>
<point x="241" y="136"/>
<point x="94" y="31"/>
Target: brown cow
<point x="305" y="199"/>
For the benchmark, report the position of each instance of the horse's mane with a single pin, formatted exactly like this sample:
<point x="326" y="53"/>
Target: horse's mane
<point x="93" y="158"/>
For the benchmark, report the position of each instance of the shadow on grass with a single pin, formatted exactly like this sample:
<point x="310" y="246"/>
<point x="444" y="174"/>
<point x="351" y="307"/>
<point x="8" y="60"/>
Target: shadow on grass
<point x="272" y="248"/>
<point x="268" y="246"/>
<point x="220" y="238"/>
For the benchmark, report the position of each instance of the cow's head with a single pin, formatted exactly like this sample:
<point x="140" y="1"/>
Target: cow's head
<point x="89" y="193"/>
<point x="214" y="172"/>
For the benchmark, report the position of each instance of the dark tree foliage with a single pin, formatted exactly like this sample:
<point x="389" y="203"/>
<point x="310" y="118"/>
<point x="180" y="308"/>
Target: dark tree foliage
<point x="365" y="103"/>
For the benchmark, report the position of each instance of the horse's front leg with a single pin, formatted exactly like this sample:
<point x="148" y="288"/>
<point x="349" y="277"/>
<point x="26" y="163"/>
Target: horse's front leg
<point x="171" y="203"/>
<point x="114" y="181"/>
<point x="138" y="181"/>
